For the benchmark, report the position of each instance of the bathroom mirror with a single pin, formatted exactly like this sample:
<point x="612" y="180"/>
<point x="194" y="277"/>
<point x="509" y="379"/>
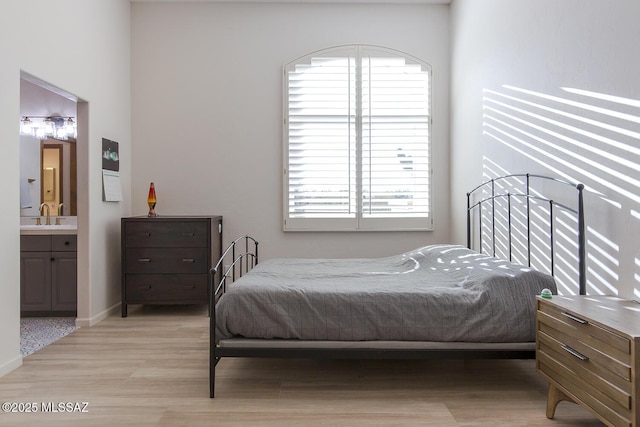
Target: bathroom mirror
<point x="39" y="184"/>
<point x="47" y="175"/>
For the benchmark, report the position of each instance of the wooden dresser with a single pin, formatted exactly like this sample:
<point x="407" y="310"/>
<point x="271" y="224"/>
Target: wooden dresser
<point x="166" y="259"/>
<point x="588" y="347"/>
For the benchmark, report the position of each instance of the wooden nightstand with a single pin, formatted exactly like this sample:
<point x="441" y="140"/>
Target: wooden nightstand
<point x="166" y="259"/>
<point x="587" y="348"/>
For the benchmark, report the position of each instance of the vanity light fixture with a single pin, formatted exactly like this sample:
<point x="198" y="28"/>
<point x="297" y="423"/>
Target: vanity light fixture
<point x="25" y="126"/>
<point x="48" y="127"/>
<point x="70" y="126"/>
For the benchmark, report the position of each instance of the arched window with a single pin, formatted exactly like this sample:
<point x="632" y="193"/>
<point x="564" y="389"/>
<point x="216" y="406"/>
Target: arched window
<point x="357" y="141"/>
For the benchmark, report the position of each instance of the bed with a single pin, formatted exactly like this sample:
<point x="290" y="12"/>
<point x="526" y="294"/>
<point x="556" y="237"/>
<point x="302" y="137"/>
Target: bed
<point x="436" y="301"/>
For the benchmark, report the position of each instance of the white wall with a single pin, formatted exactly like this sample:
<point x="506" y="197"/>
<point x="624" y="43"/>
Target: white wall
<point x="86" y="53"/>
<point x="517" y="69"/>
<point x="207" y="111"/>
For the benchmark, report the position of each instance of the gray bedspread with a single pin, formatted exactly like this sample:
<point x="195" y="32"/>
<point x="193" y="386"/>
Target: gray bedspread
<point x="434" y="293"/>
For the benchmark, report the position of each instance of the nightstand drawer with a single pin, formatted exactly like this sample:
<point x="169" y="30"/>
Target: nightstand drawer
<point x="586" y="393"/>
<point x="608" y="368"/>
<point x="574" y="324"/>
<point x="164" y="260"/>
<point x="583" y="367"/>
<point x="155" y="288"/>
<point x="166" y="234"/>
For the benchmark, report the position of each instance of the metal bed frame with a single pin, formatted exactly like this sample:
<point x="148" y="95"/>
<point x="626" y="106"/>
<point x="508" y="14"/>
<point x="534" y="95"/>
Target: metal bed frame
<point x="242" y="263"/>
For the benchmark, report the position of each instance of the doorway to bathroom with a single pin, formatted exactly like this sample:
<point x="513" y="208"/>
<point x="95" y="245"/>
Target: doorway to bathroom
<point x="49" y="213"/>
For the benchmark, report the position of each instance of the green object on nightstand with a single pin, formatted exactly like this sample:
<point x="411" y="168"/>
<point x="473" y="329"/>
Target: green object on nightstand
<point x="546" y="293"/>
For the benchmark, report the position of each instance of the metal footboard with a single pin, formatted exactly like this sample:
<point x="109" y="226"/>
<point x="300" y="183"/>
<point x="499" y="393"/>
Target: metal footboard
<point x="219" y="276"/>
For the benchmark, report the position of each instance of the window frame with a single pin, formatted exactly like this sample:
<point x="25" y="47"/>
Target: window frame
<point x="358" y="222"/>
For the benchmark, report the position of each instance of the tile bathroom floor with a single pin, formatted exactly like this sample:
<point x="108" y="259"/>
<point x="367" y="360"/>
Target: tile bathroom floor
<point x="38" y="332"/>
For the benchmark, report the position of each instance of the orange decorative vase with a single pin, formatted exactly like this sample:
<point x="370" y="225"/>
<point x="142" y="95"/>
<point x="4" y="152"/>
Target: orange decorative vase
<point x="151" y="200"/>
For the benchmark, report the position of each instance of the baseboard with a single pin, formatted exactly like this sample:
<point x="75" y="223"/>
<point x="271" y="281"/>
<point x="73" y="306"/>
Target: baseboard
<point x="11" y="365"/>
<point x="83" y="322"/>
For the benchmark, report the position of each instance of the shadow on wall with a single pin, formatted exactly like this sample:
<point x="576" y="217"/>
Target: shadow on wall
<point x="578" y="136"/>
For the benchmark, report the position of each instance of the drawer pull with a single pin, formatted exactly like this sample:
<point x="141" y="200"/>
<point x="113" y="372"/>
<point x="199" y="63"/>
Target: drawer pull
<point x="189" y="234"/>
<point x="575" y="318"/>
<point x="188" y="260"/>
<point x="144" y="286"/>
<point x="574" y="352"/>
<point x="144" y="259"/>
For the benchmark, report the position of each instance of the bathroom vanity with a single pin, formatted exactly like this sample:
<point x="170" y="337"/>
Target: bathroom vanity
<point x="48" y="270"/>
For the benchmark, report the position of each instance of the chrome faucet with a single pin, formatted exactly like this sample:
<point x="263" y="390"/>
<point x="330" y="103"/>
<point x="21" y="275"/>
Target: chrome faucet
<point x="44" y="205"/>
<point x="58" y="219"/>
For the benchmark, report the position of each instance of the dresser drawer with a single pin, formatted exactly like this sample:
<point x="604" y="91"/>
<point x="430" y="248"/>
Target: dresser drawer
<point x="166" y="234"/>
<point x="172" y="289"/>
<point x="166" y="260"/>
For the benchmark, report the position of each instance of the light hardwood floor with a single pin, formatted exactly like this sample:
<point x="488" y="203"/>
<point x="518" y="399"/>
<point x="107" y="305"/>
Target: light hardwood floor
<point x="151" y="369"/>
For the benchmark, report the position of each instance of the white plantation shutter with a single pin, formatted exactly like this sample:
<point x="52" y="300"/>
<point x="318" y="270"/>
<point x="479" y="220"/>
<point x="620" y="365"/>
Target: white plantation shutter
<point x="395" y="138"/>
<point x="321" y="146"/>
<point x="357" y="141"/>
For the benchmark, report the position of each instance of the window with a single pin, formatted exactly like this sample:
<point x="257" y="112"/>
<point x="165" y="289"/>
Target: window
<point x="357" y="141"/>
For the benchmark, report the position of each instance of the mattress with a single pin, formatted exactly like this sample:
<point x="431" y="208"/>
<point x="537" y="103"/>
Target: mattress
<point x="441" y="293"/>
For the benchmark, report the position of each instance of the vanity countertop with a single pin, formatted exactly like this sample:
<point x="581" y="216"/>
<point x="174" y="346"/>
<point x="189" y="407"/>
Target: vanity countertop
<point x="48" y="229"/>
<point x="28" y="227"/>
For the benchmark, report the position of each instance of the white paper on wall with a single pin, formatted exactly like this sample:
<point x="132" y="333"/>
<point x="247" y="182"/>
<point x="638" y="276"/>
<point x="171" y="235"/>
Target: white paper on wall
<point x="112" y="191"/>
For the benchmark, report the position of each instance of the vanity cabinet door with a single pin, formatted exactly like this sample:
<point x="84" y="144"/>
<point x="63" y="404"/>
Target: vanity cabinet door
<point x="64" y="268"/>
<point x="35" y="281"/>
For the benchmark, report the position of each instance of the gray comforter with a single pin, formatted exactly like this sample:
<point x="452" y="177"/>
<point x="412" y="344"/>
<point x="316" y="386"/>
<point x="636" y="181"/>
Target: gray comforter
<point x="434" y="293"/>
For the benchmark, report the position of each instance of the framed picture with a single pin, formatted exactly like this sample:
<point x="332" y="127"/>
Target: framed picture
<point x="110" y="155"/>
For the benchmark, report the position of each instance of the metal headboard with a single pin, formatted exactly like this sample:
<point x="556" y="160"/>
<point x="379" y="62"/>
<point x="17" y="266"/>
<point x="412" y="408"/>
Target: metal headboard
<point x="490" y="185"/>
